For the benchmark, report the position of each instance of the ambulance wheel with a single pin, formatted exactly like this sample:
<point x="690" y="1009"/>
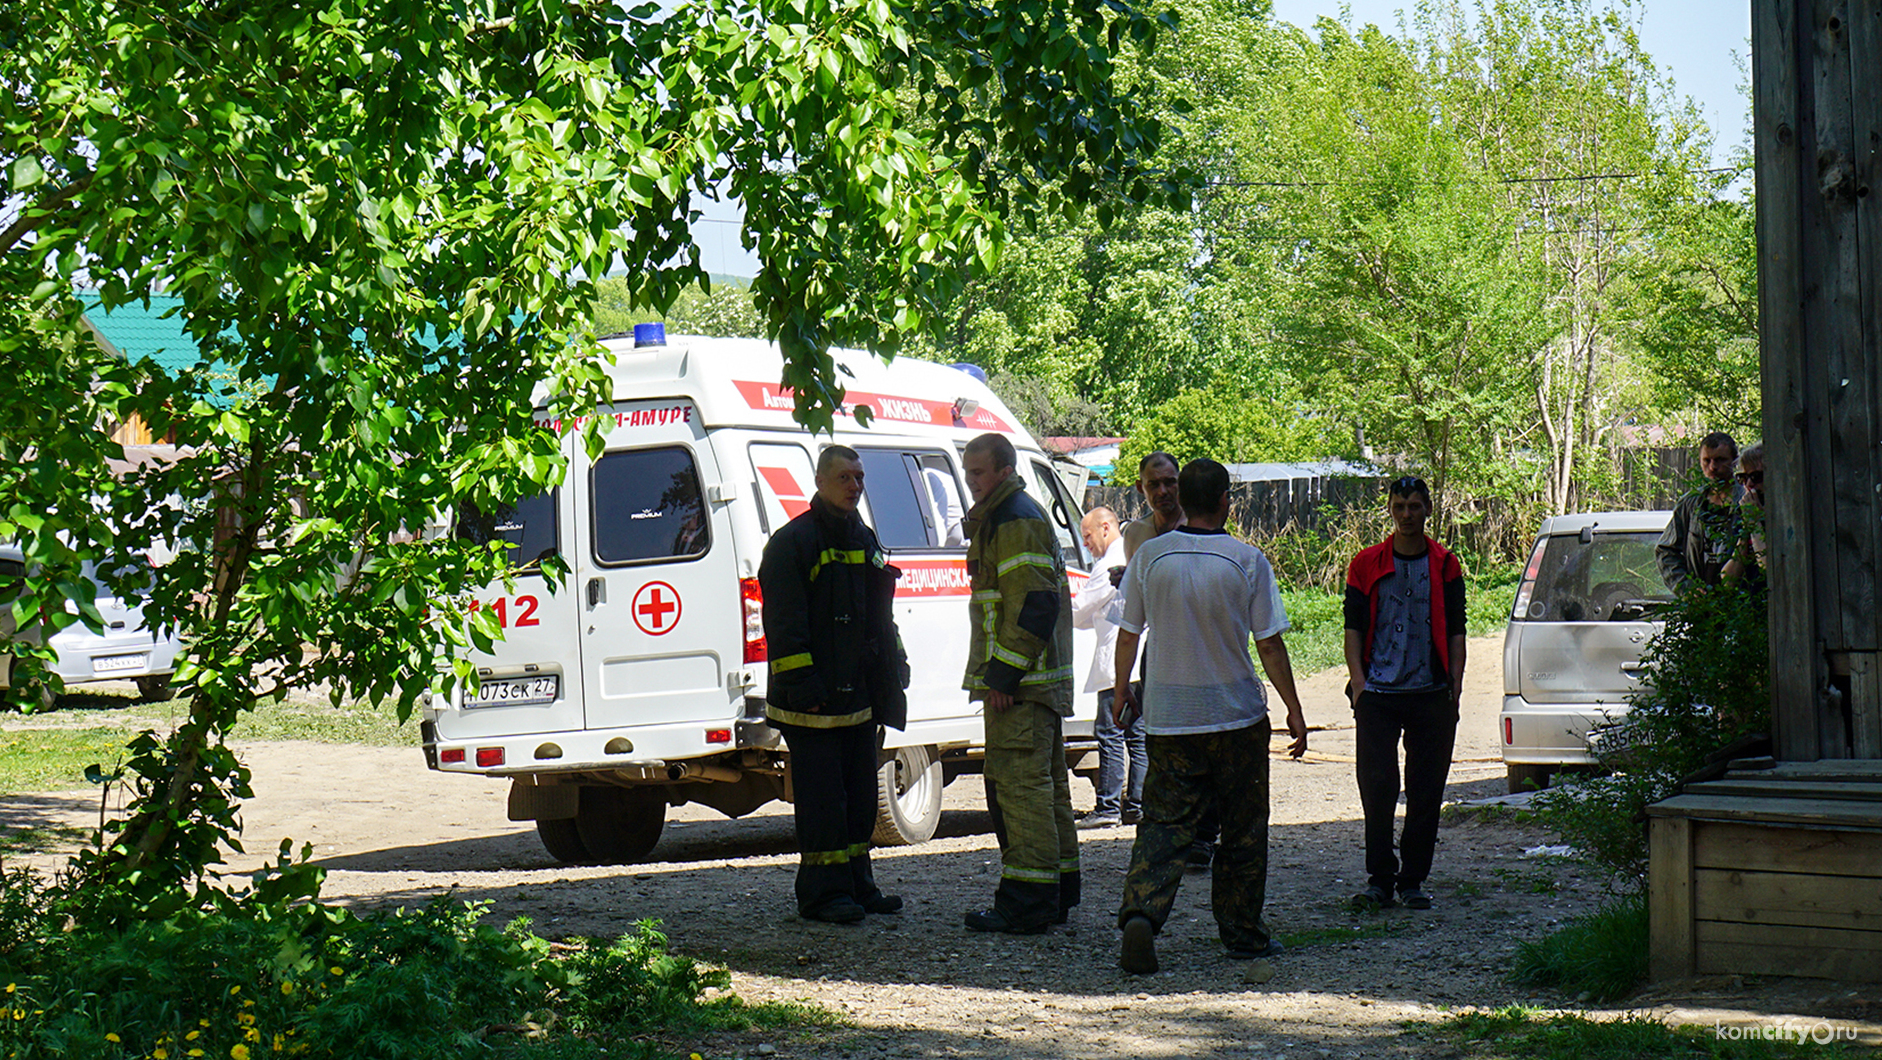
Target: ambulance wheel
<point x="619" y="825"/>
<point x="563" y="840"/>
<point x="908" y="798"/>
<point x="1528" y="777"/>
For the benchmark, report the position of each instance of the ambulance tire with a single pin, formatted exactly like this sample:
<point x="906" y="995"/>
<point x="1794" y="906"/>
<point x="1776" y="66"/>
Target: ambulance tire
<point x="908" y="797"/>
<point x="563" y="840"/>
<point x="620" y="825"/>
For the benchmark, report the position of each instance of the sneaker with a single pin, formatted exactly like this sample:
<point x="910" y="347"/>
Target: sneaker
<point x="1139" y="954"/>
<point x="1414" y="898"/>
<point x="840" y="912"/>
<point x="1272" y="949"/>
<point x="993" y="920"/>
<point x="1371" y="900"/>
<point x="1100" y="820"/>
<point x="1131" y="815"/>
<point x="884" y="903"/>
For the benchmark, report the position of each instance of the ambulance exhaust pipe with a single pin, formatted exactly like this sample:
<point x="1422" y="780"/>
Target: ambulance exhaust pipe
<point x="702" y="771"/>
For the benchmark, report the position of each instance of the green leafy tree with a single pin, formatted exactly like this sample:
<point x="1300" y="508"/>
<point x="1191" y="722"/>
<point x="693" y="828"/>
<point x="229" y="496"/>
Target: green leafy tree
<point x="1699" y="321"/>
<point x="726" y="311"/>
<point x="1047" y="411"/>
<point x="1229" y="423"/>
<point x="382" y="220"/>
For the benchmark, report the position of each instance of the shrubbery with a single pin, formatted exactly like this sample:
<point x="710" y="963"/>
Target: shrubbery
<point x="275" y="972"/>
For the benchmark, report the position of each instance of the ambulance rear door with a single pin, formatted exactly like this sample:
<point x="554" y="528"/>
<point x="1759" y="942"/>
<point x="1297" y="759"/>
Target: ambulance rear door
<point x="659" y="587"/>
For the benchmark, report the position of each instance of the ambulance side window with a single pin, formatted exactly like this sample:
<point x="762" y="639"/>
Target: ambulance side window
<point x="901" y="515"/>
<point x="527" y="528"/>
<point x="647" y="506"/>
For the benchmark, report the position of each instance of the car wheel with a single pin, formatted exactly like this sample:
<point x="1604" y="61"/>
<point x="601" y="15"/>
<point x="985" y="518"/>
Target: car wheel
<point x="908" y="798"/>
<point x="562" y="838"/>
<point x="1528" y="777"/>
<point x="154" y="689"/>
<point x="619" y="825"/>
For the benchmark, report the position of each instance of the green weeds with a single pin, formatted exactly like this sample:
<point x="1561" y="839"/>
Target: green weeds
<point x="1602" y="955"/>
<point x="1513" y="1033"/>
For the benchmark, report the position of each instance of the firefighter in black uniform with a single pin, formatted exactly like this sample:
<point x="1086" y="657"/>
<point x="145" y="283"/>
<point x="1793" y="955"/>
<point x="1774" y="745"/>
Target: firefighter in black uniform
<point x="837" y="672"/>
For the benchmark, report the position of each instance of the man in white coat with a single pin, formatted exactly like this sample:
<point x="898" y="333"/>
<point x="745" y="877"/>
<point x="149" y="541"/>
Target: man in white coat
<point x="1122" y="759"/>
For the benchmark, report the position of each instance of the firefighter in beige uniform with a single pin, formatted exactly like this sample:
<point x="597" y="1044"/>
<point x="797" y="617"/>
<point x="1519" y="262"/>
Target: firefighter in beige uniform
<point x="1020" y="665"/>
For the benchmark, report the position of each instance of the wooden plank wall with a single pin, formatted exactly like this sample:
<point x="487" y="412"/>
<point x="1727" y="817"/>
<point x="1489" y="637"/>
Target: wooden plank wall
<point x="1769" y="900"/>
<point x="1817" y="119"/>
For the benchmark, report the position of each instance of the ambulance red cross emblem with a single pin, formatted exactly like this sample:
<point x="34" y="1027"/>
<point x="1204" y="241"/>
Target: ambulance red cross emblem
<point x="656" y="608"/>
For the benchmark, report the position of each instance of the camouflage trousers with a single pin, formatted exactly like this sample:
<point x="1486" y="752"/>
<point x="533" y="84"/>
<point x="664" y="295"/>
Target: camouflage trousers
<point x="1189" y="774"/>
<point x="1029" y="795"/>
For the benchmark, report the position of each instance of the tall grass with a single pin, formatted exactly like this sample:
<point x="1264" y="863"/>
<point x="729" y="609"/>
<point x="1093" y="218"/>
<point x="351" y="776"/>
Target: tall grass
<point x="1602" y="955"/>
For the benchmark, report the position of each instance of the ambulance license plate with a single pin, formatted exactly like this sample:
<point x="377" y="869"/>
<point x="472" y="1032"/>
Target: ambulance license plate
<point x="515" y="691"/>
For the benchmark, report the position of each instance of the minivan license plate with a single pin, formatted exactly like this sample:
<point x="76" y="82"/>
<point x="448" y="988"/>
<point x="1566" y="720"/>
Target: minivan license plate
<point x="111" y="664"/>
<point x="515" y="691"/>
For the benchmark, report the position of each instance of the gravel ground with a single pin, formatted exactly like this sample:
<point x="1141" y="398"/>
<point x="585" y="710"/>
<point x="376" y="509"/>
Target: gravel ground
<point x="919" y="984"/>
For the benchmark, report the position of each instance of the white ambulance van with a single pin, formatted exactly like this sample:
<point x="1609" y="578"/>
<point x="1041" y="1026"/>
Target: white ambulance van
<point x="639" y="683"/>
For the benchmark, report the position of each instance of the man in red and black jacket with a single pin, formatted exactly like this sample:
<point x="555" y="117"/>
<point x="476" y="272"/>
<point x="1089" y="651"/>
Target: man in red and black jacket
<point x="1405" y="658"/>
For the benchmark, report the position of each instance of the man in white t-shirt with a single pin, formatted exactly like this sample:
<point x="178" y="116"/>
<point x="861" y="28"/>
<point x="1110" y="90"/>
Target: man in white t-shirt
<point x="1205" y="717"/>
<point x="1121" y="755"/>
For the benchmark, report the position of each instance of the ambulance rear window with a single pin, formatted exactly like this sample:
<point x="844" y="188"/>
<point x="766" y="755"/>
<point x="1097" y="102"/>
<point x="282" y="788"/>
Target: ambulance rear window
<point x="648" y="507"/>
<point x="528" y="528"/>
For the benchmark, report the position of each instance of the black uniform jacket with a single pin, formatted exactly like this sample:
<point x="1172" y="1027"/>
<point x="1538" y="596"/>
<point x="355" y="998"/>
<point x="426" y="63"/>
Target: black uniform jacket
<point x="829" y="597"/>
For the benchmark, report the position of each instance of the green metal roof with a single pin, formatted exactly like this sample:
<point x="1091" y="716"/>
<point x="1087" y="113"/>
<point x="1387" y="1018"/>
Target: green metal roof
<point x="136" y="331"/>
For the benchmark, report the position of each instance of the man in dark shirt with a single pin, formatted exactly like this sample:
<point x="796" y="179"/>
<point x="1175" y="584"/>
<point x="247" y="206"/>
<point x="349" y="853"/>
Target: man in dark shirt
<point x="1405" y="659"/>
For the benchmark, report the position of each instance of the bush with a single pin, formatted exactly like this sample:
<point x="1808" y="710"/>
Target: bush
<point x="1706" y="681"/>
<point x="275" y="972"/>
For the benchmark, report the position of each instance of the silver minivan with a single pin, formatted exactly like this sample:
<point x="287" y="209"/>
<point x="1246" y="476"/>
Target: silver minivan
<point x="1571" y="655"/>
<point x="125" y="650"/>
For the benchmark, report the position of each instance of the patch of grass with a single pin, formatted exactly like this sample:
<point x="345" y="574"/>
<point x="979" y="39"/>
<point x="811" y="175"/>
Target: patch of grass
<point x="1526" y="882"/>
<point x="1494" y="813"/>
<point x="1316" y="638"/>
<point x="1469" y="889"/>
<point x="1602" y="955"/>
<point x="302" y="716"/>
<point x="1523" y="1033"/>
<point x="55" y="759"/>
<point x="1326" y="936"/>
<point x="36" y="839"/>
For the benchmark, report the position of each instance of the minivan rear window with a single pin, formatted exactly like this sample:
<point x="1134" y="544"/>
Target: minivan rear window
<point x="527" y="528"/>
<point x="648" y="506"/>
<point x="1607" y="578"/>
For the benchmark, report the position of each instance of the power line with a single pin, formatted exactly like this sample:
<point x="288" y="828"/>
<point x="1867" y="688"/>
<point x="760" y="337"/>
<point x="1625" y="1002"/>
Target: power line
<point x="1568" y="178"/>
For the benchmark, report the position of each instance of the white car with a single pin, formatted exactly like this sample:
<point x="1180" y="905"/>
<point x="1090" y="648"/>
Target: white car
<point x="126" y="650"/>
<point x="1571" y="655"/>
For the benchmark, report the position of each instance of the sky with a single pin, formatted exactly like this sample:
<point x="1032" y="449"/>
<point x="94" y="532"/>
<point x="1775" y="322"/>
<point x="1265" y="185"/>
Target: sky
<point x="1693" y="41"/>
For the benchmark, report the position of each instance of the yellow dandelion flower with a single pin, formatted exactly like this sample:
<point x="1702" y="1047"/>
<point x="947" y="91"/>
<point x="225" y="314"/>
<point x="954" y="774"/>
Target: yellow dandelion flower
<point x="287" y="987"/>
<point x="160" y="1053"/>
<point x="280" y="1043"/>
<point x="192" y="1036"/>
<point x="238" y="1051"/>
<point x="196" y="1052"/>
<point x="12" y="987"/>
<point x="247" y="1019"/>
<point x="19" y="1013"/>
<point x="248" y="1002"/>
<point x="337" y="970"/>
<point x="234" y="990"/>
<point x="112" y="1036"/>
<point x="202" y="1023"/>
<point x="253" y="1034"/>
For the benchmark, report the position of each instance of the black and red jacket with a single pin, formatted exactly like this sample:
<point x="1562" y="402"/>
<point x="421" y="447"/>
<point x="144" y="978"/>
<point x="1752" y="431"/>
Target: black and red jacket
<point x="1375" y="564"/>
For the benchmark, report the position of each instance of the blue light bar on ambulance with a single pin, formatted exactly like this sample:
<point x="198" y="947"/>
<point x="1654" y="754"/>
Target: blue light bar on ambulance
<point x="650" y="335"/>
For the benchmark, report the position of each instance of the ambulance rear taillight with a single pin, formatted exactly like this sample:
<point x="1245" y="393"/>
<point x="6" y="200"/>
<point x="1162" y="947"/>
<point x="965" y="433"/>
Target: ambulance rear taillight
<point x="752" y="601"/>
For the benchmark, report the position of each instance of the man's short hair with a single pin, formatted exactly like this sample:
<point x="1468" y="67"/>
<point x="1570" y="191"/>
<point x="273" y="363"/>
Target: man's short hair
<point x="1151" y="458"/>
<point x="1752" y="454"/>
<point x="1719" y="440"/>
<point x="996" y="446"/>
<point x="1411" y="486"/>
<point x="833" y="453"/>
<point x="1200" y="485"/>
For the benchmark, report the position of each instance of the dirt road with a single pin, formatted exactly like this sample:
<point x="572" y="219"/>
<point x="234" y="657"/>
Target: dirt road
<point x="918" y="984"/>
